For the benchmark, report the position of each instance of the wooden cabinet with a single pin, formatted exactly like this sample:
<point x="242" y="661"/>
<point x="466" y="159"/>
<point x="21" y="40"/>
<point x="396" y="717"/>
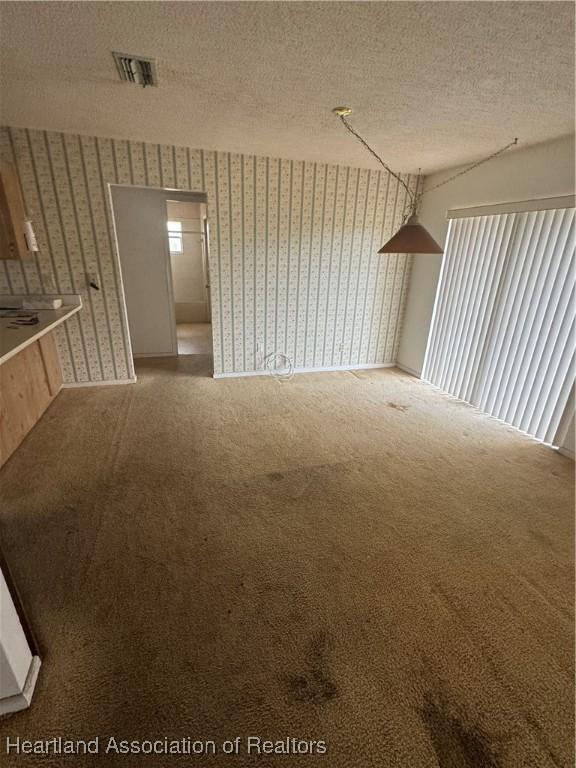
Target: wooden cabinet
<point x="29" y="382"/>
<point x="13" y="243"/>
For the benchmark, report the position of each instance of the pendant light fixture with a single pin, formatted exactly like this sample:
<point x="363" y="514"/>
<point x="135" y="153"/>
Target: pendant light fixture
<point x="412" y="237"/>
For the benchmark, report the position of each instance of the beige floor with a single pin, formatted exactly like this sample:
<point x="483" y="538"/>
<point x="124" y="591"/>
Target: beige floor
<point x="194" y="338"/>
<point x="343" y="556"/>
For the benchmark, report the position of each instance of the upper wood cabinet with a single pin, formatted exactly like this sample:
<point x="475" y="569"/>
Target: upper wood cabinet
<point x="13" y="243"/>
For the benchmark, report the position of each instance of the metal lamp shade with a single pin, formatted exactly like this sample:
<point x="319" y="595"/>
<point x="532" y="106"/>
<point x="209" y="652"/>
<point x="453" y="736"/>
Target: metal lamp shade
<point x="411" y="238"/>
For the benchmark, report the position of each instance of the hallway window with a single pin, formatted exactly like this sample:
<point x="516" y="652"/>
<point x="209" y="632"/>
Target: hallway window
<point x="175" y="236"/>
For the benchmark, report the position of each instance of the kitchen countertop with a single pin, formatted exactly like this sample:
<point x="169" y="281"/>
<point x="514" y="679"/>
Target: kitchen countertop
<point x="14" y="340"/>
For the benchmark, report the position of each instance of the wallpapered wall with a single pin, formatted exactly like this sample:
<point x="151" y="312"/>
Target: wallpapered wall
<point x="293" y="255"/>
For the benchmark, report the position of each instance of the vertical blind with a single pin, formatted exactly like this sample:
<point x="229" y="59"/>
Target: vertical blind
<point x="502" y="334"/>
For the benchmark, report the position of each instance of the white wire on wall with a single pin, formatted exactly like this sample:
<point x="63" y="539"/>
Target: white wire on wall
<point x="502" y="334"/>
<point x="279" y="365"/>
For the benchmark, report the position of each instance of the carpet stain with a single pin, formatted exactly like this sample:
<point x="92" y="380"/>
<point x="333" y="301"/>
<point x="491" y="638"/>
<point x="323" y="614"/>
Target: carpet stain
<point x="398" y="407"/>
<point x="457" y="744"/>
<point x="313" y="686"/>
<point x="542" y="539"/>
<point x="293" y="484"/>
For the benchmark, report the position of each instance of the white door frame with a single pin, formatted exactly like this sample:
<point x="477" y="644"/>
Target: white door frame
<point x="167" y="193"/>
<point x="205" y="253"/>
<point x="171" y="301"/>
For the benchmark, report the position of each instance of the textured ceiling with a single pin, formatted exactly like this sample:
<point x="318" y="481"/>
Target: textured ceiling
<point x="432" y="84"/>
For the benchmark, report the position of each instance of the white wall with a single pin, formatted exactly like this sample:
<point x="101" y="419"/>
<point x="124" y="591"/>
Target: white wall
<point x="543" y="170"/>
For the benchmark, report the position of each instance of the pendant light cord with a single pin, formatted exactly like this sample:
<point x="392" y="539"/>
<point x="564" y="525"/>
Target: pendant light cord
<point x="415" y="198"/>
<point x="471" y="167"/>
<point x="377" y="156"/>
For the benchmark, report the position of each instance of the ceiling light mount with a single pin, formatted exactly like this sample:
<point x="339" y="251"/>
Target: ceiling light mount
<point x="342" y="111"/>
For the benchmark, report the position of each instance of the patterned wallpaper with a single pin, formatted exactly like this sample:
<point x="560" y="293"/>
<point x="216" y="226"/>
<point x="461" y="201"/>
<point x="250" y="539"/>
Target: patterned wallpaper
<point x="293" y="255"/>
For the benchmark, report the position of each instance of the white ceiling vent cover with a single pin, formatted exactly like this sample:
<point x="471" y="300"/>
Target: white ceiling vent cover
<point x="136" y="69"/>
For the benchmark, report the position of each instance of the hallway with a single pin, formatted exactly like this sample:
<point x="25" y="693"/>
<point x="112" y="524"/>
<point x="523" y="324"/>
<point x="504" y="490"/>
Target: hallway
<point x="194" y="338"/>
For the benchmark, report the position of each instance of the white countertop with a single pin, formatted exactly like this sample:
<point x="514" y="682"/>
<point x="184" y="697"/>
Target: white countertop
<point x="14" y="340"/>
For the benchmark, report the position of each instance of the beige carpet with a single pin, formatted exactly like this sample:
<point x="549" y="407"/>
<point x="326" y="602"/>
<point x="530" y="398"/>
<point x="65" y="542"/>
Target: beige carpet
<point x="348" y="557"/>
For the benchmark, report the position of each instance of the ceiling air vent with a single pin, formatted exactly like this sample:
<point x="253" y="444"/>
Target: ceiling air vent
<point x="136" y="69"/>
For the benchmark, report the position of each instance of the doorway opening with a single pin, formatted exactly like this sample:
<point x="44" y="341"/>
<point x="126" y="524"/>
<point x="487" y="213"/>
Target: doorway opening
<point x="162" y="241"/>
<point x="187" y="230"/>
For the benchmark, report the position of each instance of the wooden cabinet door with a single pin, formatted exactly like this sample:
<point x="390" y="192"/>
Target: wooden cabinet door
<point x="52" y="369"/>
<point x="29" y="382"/>
<point x="12" y="215"/>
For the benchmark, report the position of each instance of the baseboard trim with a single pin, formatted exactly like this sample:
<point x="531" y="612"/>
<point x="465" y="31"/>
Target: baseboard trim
<point x="106" y="383"/>
<point x="567" y="452"/>
<point x="409" y="370"/>
<point x="323" y="369"/>
<point x="144" y="355"/>
<point x="22" y="700"/>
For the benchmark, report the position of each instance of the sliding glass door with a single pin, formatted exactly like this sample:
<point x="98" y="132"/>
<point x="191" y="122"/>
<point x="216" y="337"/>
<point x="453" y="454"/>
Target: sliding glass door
<point x="502" y="334"/>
